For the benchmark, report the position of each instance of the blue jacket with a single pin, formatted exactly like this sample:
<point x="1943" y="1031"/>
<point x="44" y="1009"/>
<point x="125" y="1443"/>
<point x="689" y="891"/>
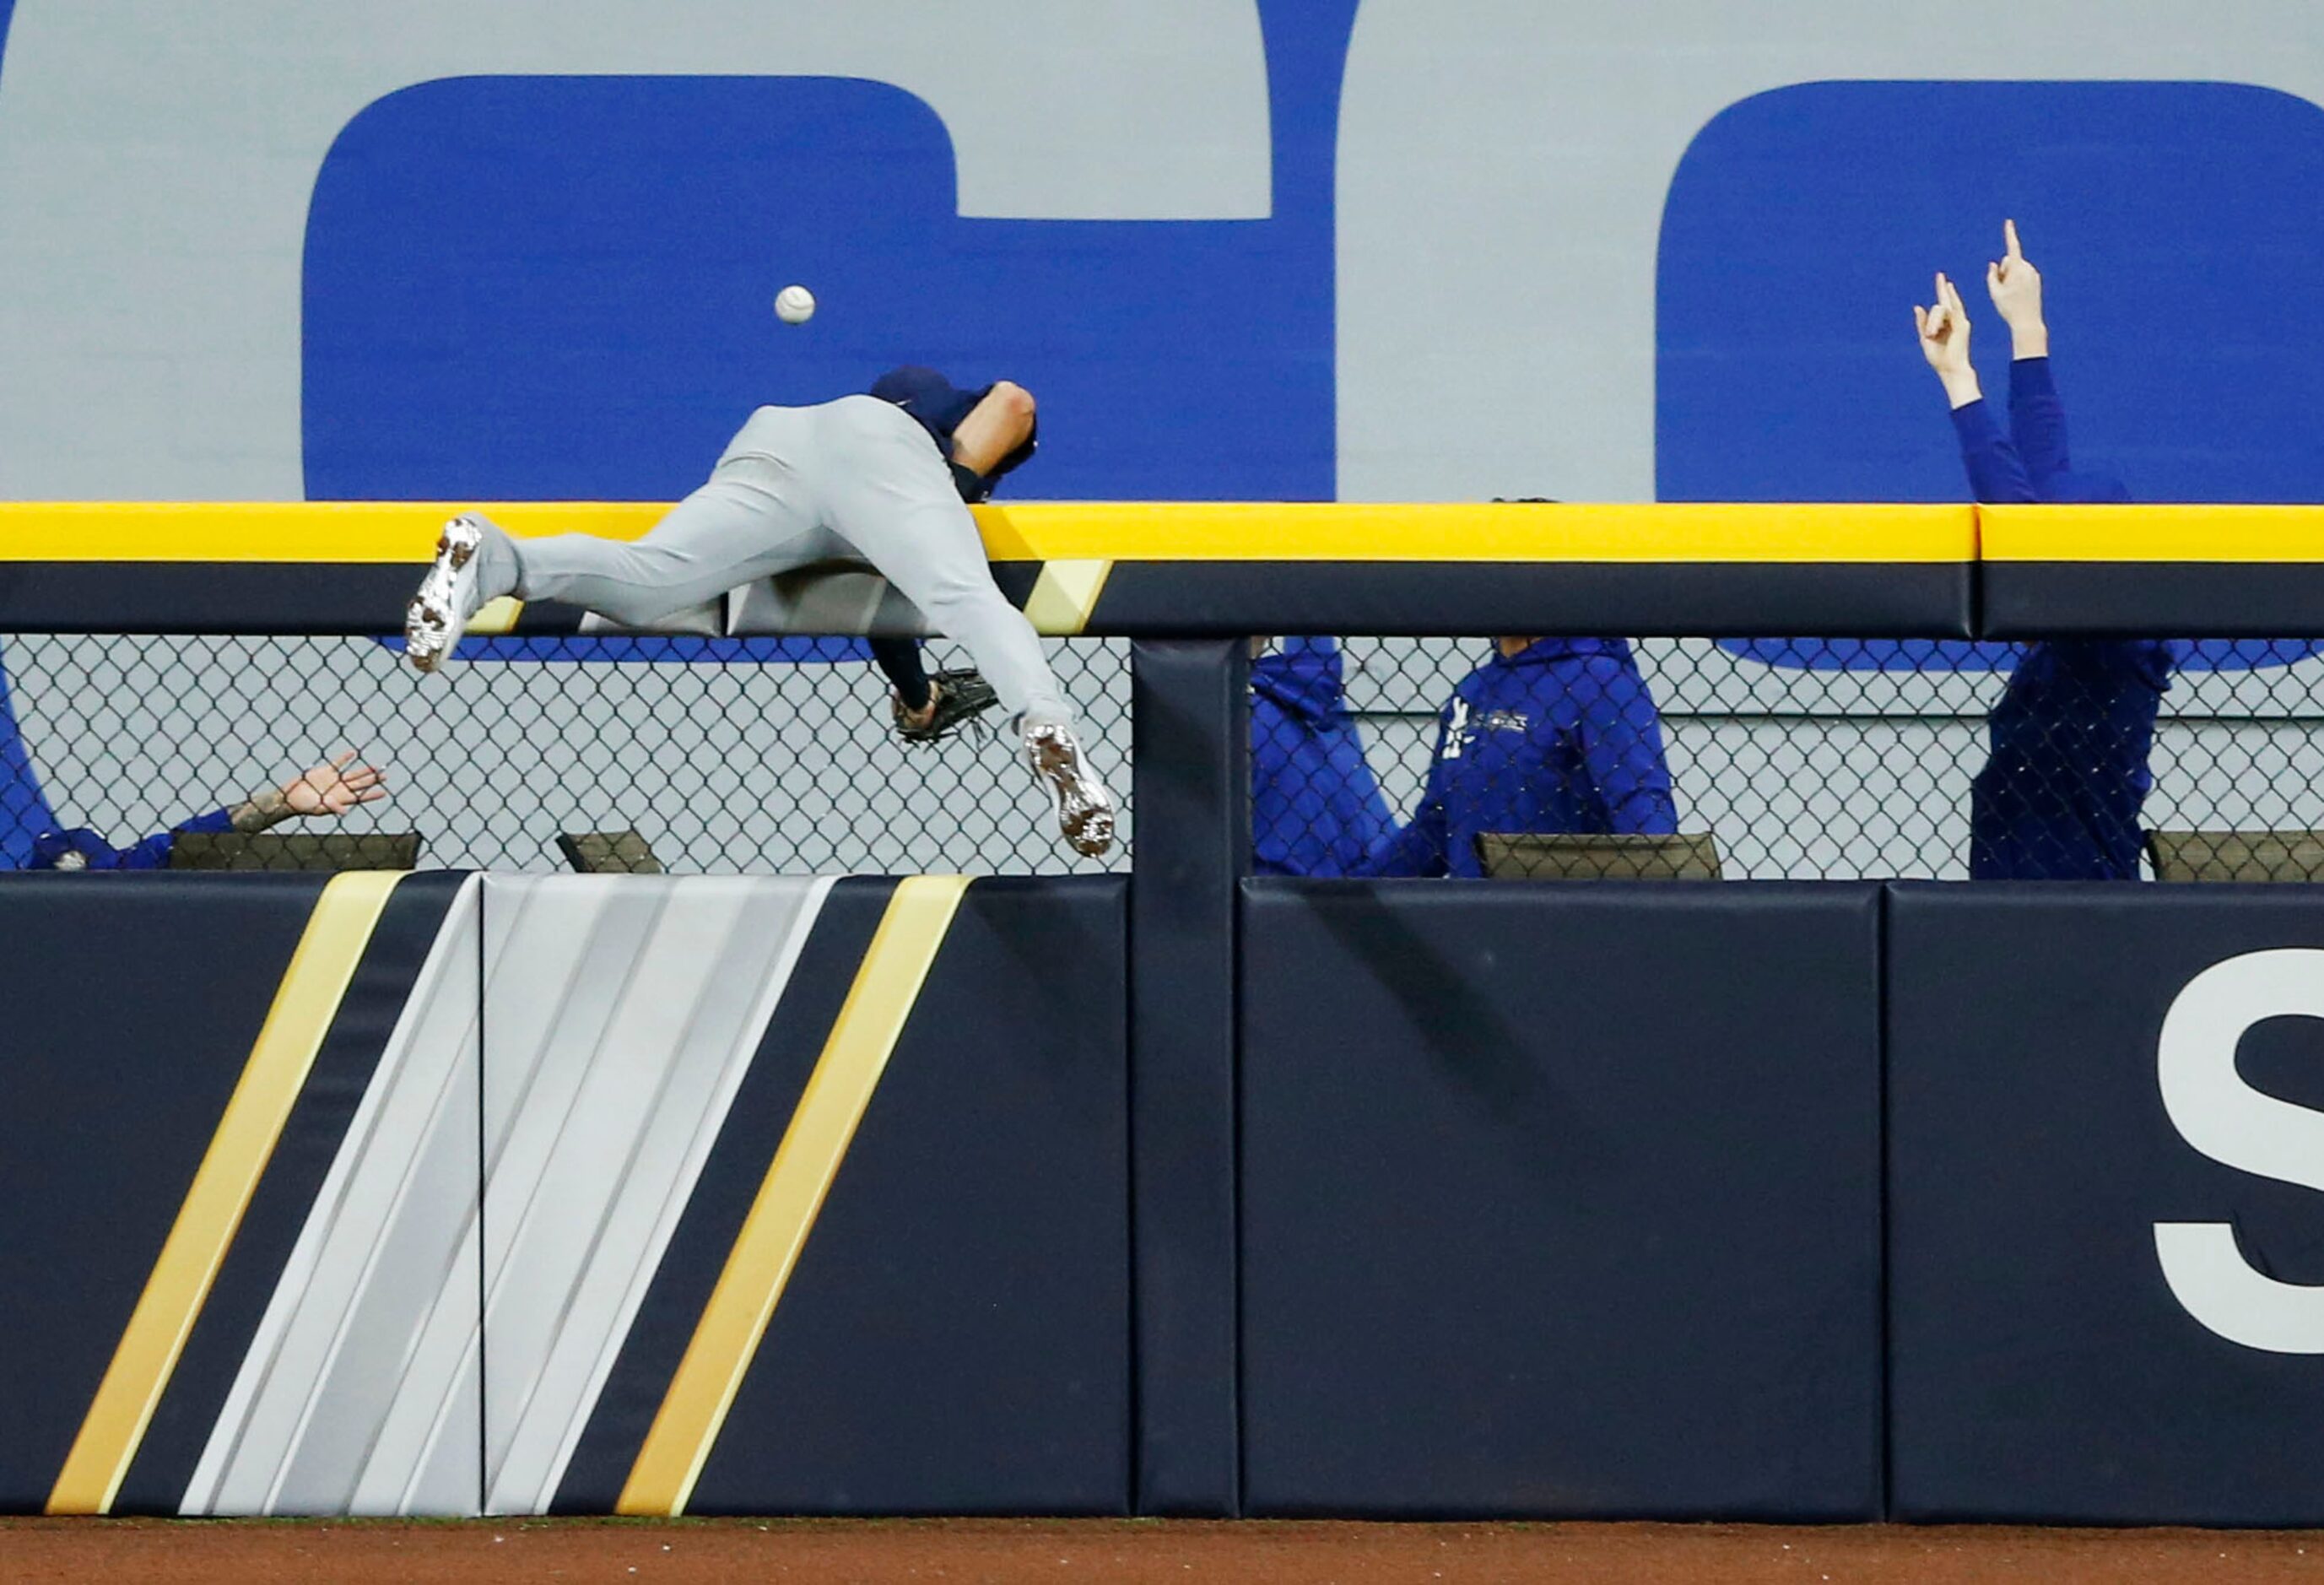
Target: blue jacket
<point x="2058" y="796"/>
<point x="1315" y="808"/>
<point x="1562" y="737"/>
<point x="28" y="836"/>
<point x="82" y="849"/>
<point x="25" y="812"/>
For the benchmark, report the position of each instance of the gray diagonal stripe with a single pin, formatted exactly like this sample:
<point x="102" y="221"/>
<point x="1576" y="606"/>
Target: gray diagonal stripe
<point x="382" y="1241"/>
<point x="621" y="1014"/>
<point x="583" y="1202"/>
<point x="577" y="941"/>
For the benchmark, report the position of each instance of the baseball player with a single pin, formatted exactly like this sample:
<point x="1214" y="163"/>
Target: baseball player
<point x="2060" y="794"/>
<point x="882" y="478"/>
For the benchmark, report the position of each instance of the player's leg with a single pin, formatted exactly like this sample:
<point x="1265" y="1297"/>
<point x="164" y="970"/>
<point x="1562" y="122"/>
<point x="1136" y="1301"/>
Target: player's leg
<point x="887" y="493"/>
<point x="928" y="548"/>
<point x="751" y="520"/>
<point x="888" y="496"/>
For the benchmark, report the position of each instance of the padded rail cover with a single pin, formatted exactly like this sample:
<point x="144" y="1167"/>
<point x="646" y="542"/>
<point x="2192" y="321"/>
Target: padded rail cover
<point x="796" y="1196"/>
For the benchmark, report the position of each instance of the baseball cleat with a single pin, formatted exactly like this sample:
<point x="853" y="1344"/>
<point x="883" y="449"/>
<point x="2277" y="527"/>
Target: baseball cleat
<point x="438" y="613"/>
<point x="1084" y="809"/>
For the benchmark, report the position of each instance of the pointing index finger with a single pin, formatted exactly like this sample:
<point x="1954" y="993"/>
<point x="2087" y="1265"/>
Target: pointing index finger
<point x="2009" y="235"/>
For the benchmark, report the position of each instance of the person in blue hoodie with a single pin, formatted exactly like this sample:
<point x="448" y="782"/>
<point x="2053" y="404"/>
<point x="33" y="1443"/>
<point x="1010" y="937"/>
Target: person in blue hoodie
<point x="1315" y="808"/>
<point x="2060" y="794"/>
<point x="25" y="812"/>
<point x="31" y="839"/>
<point x="1548" y="735"/>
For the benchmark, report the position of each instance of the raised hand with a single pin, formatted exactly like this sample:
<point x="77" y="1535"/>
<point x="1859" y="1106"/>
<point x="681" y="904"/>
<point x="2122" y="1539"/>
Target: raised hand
<point x="332" y="788"/>
<point x="2015" y="287"/>
<point x="1944" y="342"/>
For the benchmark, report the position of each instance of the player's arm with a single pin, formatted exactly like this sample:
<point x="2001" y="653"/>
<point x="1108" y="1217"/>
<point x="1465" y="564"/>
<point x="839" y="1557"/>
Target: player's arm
<point x="997" y="435"/>
<point x="1995" y="472"/>
<point x="1943" y="328"/>
<point x="332" y="789"/>
<point x="1416" y="850"/>
<point x="899" y="661"/>
<point x="1369" y="818"/>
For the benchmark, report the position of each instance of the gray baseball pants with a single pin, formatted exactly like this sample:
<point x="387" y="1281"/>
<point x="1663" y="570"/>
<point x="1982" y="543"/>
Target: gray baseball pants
<point x="855" y="480"/>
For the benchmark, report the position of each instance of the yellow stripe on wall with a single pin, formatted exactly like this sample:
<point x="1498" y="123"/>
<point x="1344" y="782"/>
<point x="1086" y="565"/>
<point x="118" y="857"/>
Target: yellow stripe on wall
<point x="305" y="1003"/>
<point x="1064" y="595"/>
<point x="894" y="968"/>
<point x="376" y="531"/>
<point x="496" y="616"/>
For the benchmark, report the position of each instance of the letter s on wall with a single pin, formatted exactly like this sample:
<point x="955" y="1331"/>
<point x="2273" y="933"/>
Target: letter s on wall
<point x="2223" y="1116"/>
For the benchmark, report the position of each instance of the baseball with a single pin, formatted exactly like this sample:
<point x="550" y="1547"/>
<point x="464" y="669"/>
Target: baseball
<point x="794" y="305"/>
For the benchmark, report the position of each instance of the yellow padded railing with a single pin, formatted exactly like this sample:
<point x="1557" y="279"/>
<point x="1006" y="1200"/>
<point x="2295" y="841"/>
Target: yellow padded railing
<point x="1242" y="531"/>
<point x="2151" y="533"/>
<point x="404" y="532"/>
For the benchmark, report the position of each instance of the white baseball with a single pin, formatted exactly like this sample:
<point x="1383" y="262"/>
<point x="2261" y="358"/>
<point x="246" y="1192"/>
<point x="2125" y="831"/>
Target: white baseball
<point x="795" y="304"/>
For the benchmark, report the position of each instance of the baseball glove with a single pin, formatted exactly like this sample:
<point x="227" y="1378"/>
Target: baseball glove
<point x="961" y="697"/>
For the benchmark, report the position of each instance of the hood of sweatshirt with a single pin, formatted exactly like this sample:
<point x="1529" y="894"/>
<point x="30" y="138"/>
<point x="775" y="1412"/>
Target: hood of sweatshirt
<point x="24" y="810"/>
<point x="1549" y="652"/>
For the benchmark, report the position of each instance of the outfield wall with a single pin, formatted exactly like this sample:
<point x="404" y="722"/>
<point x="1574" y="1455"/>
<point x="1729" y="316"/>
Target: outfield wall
<point x="1748" y="1201"/>
<point x="487" y="1210"/>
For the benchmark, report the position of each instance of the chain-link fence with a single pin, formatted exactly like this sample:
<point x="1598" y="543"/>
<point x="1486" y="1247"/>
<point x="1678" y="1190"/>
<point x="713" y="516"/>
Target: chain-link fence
<point x="1800" y="760"/>
<point x="742" y="756"/>
<point x="1804" y="759"/>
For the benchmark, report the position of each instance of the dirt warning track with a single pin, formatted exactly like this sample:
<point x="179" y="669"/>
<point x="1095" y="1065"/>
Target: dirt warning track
<point x="682" y="1552"/>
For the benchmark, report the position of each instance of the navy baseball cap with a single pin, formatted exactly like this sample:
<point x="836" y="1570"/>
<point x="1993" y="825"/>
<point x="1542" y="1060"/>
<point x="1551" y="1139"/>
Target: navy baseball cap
<point x="936" y="401"/>
<point x="939" y="406"/>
